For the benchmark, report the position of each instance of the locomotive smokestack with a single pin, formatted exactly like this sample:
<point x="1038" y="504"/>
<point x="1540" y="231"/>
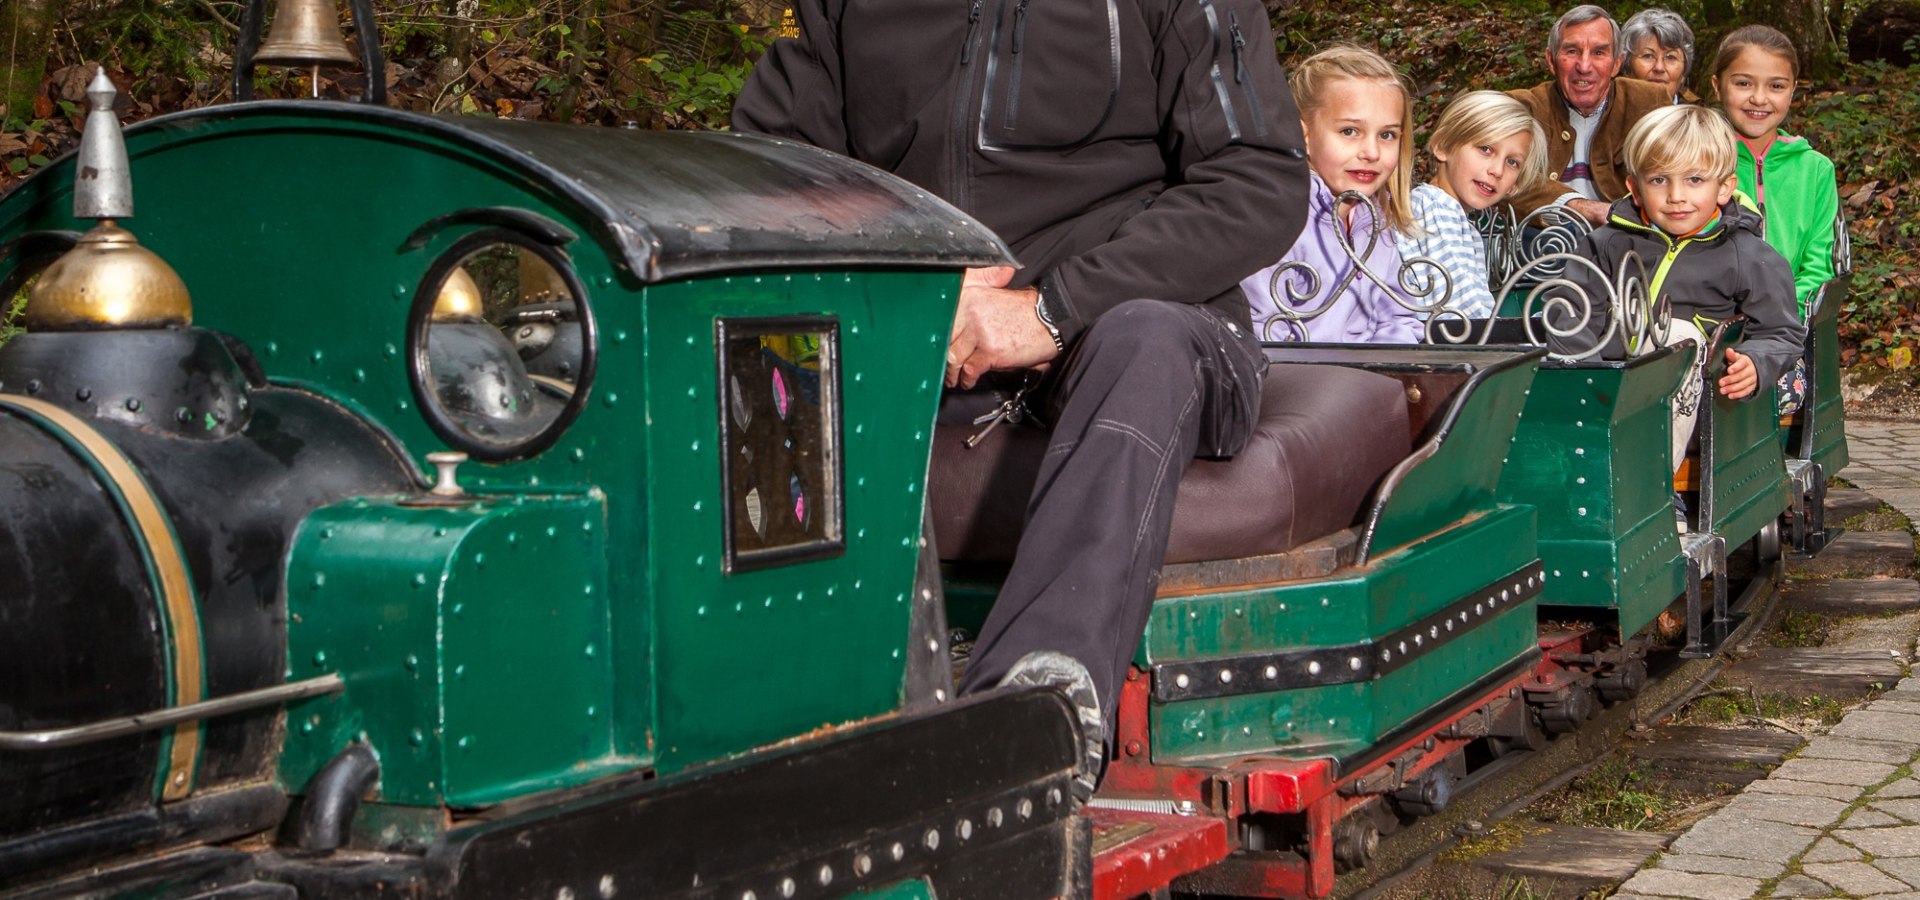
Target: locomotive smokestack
<point x="102" y="182"/>
<point x="107" y="280"/>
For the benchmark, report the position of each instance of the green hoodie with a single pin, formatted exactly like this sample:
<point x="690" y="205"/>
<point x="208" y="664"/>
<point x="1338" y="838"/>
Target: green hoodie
<point x="1801" y="203"/>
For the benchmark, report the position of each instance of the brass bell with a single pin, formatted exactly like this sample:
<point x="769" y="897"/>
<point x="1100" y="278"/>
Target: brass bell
<point x="305" y="33"/>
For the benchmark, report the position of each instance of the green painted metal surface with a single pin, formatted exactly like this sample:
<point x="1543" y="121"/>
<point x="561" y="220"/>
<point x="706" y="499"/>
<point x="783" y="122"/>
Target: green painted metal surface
<point x="1462" y="473"/>
<point x="473" y="641"/>
<point x="917" y="889"/>
<point x="1749" y="482"/>
<point x="1593" y="455"/>
<point x="1826" y="409"/>
<point x="309" y="271"/>
<point x="1361" y="604"/>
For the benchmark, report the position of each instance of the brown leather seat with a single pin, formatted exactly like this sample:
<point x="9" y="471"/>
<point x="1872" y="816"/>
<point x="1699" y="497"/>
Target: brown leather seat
<point x="1326" y="436"/>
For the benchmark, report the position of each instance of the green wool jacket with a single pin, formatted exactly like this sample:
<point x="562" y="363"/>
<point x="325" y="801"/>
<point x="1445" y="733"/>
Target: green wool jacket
<point x="1802" y="201"/>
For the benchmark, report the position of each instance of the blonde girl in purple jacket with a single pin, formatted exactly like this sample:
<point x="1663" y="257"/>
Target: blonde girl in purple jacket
<point x="1358" y="118"/>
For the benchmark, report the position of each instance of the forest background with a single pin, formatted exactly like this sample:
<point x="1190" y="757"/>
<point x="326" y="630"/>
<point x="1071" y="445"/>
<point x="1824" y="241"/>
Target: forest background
<point x="679" y="64"/>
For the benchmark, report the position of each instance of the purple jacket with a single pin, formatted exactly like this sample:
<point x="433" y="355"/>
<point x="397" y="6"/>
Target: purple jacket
<point x="1363" y="313"/>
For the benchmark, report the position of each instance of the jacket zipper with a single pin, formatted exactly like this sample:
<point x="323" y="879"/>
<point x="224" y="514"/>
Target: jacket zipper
<point x="1013" y="78"/>
<point x="1219" y="80"/>
<point x="959" y="193"/>
<point x="1240" y="74"/>
<point x="973" y="31"/>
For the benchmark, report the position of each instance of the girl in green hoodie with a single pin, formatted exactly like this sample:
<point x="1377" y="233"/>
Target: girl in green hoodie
<point x="1791" y="183"/>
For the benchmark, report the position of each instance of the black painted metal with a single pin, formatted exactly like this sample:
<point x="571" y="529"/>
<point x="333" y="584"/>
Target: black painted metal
<point x="672" y="204"/>
<point x="76" y="612"/>
<point x="1346" y="663"/>
<point x="180" y="382"/>
<point x="933" y="784"/>
<point x="333" y="796"/>
<point x="79" y="614"/>
<point x="26" y="863"/>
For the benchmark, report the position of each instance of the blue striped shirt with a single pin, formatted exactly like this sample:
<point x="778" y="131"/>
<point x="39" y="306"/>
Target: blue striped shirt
<point x="1446" y="237"/>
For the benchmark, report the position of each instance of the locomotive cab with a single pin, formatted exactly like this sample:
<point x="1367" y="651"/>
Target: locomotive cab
<point x="666" y="607"/>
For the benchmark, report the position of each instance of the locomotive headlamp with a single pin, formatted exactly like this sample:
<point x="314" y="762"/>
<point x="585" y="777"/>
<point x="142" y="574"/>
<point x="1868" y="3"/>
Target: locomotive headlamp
<point x="107" y="280"/>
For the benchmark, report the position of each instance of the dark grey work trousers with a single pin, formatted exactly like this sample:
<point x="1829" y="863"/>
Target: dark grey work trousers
<point x="1149" y="386"/>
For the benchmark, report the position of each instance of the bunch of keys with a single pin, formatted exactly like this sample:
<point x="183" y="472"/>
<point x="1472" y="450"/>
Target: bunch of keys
<point x="1011" y="410"/>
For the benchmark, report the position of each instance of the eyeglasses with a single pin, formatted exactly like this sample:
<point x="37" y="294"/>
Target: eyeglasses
<point x="1672" y="58"/>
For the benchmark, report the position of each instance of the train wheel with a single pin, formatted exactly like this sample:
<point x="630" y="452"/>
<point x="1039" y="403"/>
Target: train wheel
<point x="1766" y="544"/>
<point x="1623" y="683"/>
<point x="1355" y="841"/>
<point x="1565" y="715"/>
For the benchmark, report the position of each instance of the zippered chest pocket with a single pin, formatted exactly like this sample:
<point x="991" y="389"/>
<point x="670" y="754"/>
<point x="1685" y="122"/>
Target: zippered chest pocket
<point x="1053" y="75"/>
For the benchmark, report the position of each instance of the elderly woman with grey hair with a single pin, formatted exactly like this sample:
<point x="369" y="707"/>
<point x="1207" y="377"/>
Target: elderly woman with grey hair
<point x="1657" y="46"/>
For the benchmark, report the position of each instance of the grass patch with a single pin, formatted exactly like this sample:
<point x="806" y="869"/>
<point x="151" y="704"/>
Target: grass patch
<point x="1799" y="628"/>
<point x="1503" y="836"/>
<point x="1728" y="706"/>
<point x="1618" y="793"/>
<point x="1886" y="518"/>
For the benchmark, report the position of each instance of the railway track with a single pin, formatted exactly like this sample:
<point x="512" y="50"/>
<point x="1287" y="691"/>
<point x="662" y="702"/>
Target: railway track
<point x="1505" y="786"/>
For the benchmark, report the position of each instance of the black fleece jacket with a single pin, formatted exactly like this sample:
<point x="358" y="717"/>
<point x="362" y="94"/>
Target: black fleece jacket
<point x="1122" y="148"/>
<point x="1729" y="271"/>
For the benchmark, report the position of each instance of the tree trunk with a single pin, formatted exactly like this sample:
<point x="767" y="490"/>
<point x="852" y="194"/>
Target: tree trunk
<point x="24" y="26"/>
<point x="1805" y="22"/>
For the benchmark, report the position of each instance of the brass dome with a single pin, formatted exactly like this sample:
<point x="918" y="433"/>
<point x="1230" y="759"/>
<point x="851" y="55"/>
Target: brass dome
<point x="107" y="281"/>
<point x="459" y="297"/>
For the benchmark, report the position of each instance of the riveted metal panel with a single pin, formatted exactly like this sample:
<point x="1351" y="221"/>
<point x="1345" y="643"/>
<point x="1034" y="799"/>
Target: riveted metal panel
<point x="1362" y="610"/>
<point x="1828" y="445"/>
<point x="473" y="640"/>
<point x="1592" y="454"/>
<point x="1749" y="482"/>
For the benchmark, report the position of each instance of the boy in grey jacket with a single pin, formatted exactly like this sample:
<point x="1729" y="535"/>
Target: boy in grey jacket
<point x="1702" y="249"/>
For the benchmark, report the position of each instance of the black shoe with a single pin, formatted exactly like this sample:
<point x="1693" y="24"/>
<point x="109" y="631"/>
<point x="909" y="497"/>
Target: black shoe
<point x="1048" y="668"/>
<point x="1680" y="513"/>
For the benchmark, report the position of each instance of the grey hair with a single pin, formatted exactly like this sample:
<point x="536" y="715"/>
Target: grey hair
<point x="1665" y="27"/>
<point x="1581" y="15"/>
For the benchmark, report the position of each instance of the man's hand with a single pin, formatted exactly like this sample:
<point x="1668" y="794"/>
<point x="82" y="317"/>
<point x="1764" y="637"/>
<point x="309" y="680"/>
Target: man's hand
<point x="1741" y="380"/>
<point x="995" y="328"/>
<point x="1595" y="211"/>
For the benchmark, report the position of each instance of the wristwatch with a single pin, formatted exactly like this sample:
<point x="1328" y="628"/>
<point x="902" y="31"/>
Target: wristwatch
<point x="1040" y="312"/>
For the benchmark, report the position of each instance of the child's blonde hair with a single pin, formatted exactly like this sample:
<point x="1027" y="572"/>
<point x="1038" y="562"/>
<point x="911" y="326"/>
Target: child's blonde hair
<point x="1680" y="138"/>
<point x="1339" y="62"/>
<point x="1484" y="117"/>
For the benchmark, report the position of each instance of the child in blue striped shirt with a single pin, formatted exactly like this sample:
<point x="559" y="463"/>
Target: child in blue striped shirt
<point x="1486" y="147"/>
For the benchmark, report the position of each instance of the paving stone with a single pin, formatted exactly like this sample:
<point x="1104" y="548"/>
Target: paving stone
<point x="1830" y="850"/>
<point x="1801" y="886"/>
<point x="1867" y="818"/>
<point x="1689" y="884"/>
<point x="1905" y="787"/>
<point x="1880" y="726"/>
<point x="1845" y="792"/>
<point x="1861" y="553"/>
<point x="1831" y="747"/>
<point x="1845" y="503"/>
<point x="1814" y="671"/>
<point x="1855" y="878"/>
<point x="1723" y="865"/>
<point x="1745" y="837"/>
<point x="1905" y="809"/>
<point x="1895" y="706"/>
<point x="1834" y="771"/>
<point x="1906" y="869"/>
<point x="1818" y="812"/>
<point x="1903" y="840"/>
